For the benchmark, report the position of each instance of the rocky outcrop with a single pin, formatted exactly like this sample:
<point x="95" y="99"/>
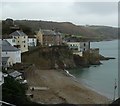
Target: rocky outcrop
<point x="105" y="58"/>
<point x="50" y="57"/>
<point x="61" y="57"/>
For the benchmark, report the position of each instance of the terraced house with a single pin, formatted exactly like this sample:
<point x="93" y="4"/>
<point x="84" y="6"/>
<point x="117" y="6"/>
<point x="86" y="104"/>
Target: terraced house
<point x="49" y="37"/>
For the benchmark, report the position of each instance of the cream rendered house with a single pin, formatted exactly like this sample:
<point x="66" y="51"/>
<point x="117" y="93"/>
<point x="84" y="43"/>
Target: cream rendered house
<point x="19" y="40"/>
<point x="39" y="36"/>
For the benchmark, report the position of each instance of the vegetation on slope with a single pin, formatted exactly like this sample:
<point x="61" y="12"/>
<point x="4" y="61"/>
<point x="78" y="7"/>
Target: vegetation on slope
<point x="94" y="32"/>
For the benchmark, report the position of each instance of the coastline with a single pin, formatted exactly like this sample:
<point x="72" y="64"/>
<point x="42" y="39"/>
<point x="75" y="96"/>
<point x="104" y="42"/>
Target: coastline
<point x="63" y="88"/>
<point x="84" y="84"/>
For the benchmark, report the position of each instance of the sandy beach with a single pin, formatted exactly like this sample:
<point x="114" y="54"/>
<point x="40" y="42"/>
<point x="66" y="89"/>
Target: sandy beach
<point x="61" y="88"/>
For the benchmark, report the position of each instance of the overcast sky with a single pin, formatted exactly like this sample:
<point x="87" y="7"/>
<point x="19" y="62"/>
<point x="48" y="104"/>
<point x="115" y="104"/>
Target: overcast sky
<point x="80" y="13"/>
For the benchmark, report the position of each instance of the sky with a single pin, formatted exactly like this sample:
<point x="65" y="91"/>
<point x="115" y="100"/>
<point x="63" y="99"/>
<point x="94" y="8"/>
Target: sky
<point x="75" y="11"/>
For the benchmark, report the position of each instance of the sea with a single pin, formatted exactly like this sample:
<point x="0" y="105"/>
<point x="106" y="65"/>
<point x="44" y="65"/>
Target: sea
<point x="101" y="78"/>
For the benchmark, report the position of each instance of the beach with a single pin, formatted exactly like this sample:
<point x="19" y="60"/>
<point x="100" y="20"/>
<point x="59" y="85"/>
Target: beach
<point x="61" y="88"/>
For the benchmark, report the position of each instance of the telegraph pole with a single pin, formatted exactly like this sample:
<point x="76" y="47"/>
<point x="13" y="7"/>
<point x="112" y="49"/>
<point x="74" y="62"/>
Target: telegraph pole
<point x="115" y="87"/>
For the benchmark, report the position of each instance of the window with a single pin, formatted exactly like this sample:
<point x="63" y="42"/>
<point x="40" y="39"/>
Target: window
<point x="18" y="41"/>
<point x="24" y="45"/>
<point x="6" y="53"/>
<point x="84" y="49"/>
<point x="13" y="40"/>
<point x="84" y="44"/>
<point x="23" y="41"/>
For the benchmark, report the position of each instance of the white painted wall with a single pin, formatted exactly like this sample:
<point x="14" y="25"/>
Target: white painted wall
<point x="84" y="46"/>
<point x="32" y="42"/>
<point x="81" y="46"/>
<point x="11" y="41"/>
<point x="73" y="45"/>
<point x="14" y="55"/>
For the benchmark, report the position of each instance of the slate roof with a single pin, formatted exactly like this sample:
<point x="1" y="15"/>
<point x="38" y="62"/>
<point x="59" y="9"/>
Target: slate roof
<point x="6" y="46"/>
<point x="48" y="32"/>
<point x="15" y="74"/>
<point x="5" y="59"/>
<point x="18" y="33"/>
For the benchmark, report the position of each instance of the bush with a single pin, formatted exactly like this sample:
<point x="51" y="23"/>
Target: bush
<point x="13" y="92"/>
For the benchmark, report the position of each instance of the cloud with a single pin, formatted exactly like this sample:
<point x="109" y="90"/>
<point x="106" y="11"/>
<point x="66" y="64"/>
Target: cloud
<point x="75" y="12"/>
<point x="98" y="8"/>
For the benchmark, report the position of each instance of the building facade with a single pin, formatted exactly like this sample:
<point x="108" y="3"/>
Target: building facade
<point x="9" y="51"/>
<point x="79" y="46"/>
<point x="49" y="37"/>
<point x="19" y="40"/>
<point x="32" y="41"/>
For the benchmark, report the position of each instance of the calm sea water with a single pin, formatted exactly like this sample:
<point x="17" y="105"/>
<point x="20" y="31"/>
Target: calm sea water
<point x="101" y="78"/>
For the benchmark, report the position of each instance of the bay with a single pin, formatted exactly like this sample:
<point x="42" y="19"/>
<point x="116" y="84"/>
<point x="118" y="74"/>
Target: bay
<point x="101" y="78"/>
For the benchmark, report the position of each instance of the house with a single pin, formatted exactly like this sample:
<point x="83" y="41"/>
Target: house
<point x="49" y="37"/>
<point x="32" y="41"/>
<point x="19" y="39"/>
<point x="78" y="46"/>
<point x="7" y="62"/>
<point x="16" y="75"/>
<point x="10" y="51"/>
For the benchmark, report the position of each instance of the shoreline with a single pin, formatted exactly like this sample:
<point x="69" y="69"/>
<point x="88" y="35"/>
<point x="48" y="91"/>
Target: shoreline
<point x="62" y="88"/>
<point x="86" y="85"/>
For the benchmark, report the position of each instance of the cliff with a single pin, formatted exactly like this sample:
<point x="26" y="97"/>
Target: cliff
<point x="50" y="57"/>
<point x="59" y="57"/>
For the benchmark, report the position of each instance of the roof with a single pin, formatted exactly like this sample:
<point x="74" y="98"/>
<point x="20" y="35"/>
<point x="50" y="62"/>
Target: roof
<point x="48" y="32"/>
<point x="31" y="36"/>
<point x="15" y="74"/>
<point x="18" y="33"/>
<point x="5" y="59"/>
<point x="6" y="46"/>
<point x="75" y="39"/>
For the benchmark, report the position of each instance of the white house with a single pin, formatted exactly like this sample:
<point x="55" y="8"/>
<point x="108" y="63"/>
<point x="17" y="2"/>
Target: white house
<point x="32" y="41"/>
<point x="79" y="46"/>
<point x="9" y="51"/>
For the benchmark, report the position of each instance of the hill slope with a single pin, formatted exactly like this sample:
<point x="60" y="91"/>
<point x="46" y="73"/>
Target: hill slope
<point x="94" y="32"/>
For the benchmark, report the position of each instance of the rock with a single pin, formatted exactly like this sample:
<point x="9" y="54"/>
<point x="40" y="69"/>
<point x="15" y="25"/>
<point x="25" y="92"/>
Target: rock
<point x="106" y="58"/>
